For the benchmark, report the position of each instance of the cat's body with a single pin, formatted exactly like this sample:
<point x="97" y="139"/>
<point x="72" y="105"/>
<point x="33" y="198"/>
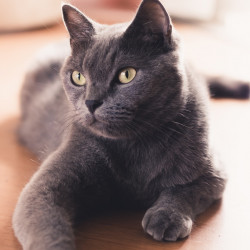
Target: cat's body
<point x="43" y="99"/>
<point x="140" y="144"/>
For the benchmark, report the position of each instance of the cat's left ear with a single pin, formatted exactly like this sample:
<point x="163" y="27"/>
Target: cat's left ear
<point x="79" y="27"/>
<point x="151" y="22"/>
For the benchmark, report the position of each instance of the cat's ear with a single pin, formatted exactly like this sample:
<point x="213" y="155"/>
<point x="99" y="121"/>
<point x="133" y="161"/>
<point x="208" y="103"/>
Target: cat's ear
<point x="79" y="27"/>
<point x="151" y="22"/>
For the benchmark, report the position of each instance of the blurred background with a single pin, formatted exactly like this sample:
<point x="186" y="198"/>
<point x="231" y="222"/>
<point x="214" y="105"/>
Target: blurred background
<point x="225" y="21"/>
<point x="16" y="14"/>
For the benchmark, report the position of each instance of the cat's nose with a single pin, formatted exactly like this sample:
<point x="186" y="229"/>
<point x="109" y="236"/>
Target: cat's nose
<point x="92" y="105"/>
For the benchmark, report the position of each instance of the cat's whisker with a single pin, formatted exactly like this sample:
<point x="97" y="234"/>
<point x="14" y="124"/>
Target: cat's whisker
<point x="137" y="132"/>
<point x="146" y="135"/>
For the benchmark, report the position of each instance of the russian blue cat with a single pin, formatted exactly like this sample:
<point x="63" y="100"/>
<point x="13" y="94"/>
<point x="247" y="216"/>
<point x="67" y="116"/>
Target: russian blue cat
<point x="124" y="124"/>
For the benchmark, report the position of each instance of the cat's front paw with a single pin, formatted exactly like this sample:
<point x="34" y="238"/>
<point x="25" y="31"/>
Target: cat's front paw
<point x="165" y="224"/>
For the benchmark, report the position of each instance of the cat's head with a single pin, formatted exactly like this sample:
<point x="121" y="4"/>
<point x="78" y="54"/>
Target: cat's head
<point x="123" y="80"/>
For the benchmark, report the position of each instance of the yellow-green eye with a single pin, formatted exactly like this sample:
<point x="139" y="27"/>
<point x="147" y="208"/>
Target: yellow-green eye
<point x="127" y="75"/>
<point x="78" y="78"/>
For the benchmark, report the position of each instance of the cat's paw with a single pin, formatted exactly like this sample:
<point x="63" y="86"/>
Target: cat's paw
<point x="165" y="224"/>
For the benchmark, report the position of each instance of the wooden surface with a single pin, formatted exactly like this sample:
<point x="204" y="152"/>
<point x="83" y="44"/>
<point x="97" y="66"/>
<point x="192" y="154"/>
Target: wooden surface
<point x="225" y="226"/>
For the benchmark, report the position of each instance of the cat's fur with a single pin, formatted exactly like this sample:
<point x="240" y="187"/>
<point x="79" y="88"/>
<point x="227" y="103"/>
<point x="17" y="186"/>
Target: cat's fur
<point x="146" y="146"/>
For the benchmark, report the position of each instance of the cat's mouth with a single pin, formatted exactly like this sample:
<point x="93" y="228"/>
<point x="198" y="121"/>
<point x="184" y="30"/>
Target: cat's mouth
<point x="89" y="119"/>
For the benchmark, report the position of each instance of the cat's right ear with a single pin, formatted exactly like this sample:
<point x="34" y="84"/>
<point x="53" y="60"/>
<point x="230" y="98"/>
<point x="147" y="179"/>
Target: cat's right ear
<point x="79" y="27"/>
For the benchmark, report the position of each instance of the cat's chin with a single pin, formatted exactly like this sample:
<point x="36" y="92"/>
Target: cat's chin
<point x="108" y="131"/>
<point x="104" y="128"/>
<point x="101" y="130"/>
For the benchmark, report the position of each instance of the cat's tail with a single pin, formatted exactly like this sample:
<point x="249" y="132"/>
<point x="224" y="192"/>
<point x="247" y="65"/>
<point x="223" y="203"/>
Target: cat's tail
<point x="221" y="87"/>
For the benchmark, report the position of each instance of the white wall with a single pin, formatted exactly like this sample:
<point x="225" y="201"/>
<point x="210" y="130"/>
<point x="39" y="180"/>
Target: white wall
<point x="206" y="9"/>
<point x="191" y="9"/>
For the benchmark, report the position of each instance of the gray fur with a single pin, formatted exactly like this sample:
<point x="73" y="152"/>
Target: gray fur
<point x="145" y="147"/>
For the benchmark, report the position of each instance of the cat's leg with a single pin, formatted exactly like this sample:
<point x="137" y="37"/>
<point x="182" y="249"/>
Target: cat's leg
<point x="48" y="205"/>
<point x="171" y="216"/>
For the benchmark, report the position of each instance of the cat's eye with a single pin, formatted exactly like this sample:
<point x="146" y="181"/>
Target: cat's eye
<point x="78" y="79"/>
<point x="127" y="75"/>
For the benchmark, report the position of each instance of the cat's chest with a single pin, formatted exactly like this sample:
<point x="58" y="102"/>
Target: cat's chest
<point x="136" y="168"/>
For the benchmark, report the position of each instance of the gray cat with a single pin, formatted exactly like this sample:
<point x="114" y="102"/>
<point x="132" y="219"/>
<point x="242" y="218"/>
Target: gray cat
<point x="127" y="129"/>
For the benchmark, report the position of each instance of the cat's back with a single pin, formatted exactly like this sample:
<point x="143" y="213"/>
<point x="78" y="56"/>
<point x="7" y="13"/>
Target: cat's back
<point x="43" y="101"/>
<point x="43" y="71"/>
